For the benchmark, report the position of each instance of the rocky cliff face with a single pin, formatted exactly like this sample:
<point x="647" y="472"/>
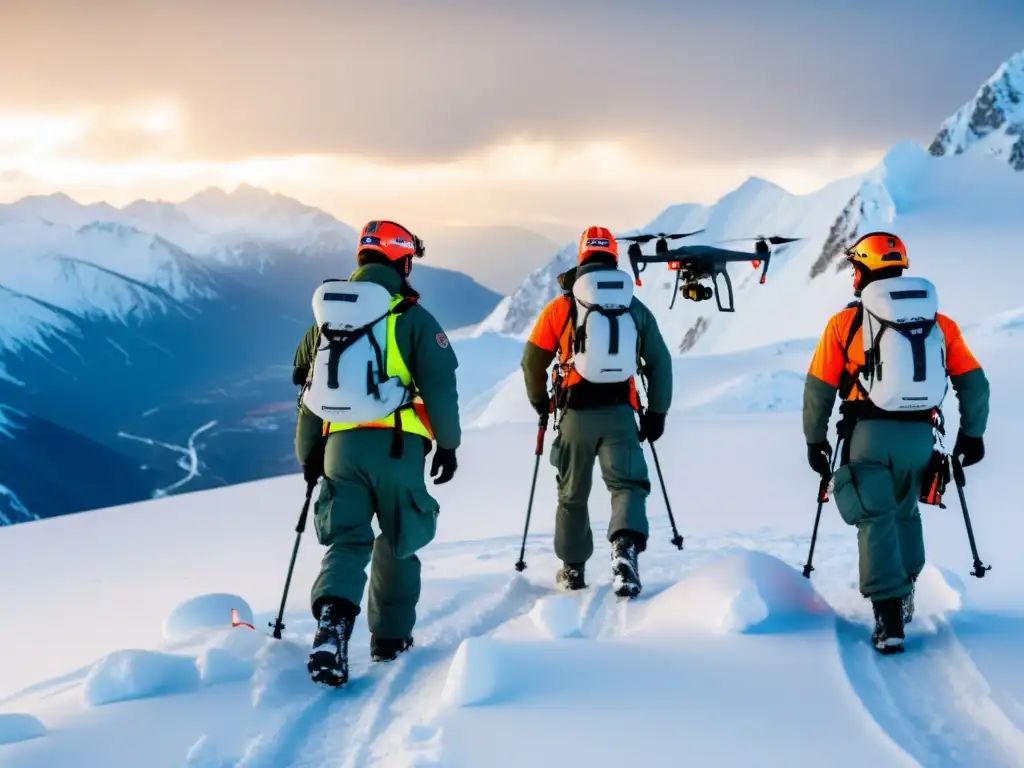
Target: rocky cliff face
<point x="993" y="121"/>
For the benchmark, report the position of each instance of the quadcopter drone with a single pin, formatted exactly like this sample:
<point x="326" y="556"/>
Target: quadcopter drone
<point x="695" y="263"/>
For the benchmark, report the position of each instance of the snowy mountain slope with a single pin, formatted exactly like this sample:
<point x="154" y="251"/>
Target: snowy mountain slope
<point x="498" y="257"/>
<point x="958" y="216"/>
<point x="105" y="268"/>
<point x="991" y="122"/>
<point x="963" y="205"/>
<point x="247" y="231"/>
<point x="111" y="327"/>
<point x="756" y="207"/>
<point x="727" y="637"/>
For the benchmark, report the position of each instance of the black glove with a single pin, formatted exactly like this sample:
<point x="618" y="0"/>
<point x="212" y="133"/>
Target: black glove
<point x="652" y="426"/>
<point x="819" y="456"/>
<point x="971" y="448"/>
<point x="445" y="463"/>
<point x="313" y="467"/>
<point x="542" y="406"/>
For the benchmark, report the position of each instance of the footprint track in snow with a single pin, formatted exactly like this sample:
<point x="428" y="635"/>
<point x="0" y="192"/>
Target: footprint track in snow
<point x="931" y="700"/>
<point x="338" y="727"/>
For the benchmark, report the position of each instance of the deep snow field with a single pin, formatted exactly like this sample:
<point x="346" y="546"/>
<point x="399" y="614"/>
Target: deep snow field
<point x="729" y="656"/>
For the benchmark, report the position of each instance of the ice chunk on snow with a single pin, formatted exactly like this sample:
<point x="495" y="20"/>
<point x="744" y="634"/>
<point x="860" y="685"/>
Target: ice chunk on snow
<point x="203" y="613"/>
<point x="474" y="674"/>
<point x="557" y="616"/>
<point x="133" y="674"/>
<point x="747" y="591"/>
<point x="15" y="727"/>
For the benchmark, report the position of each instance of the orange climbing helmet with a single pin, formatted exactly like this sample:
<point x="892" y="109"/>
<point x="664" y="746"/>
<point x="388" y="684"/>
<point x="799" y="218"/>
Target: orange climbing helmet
<point x="878" y="250"/>
<point x="597" y="240"/>
<point x="391" y="240"/>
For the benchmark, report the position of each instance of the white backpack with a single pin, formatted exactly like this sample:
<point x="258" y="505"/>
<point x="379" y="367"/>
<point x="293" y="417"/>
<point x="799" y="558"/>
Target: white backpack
<point x="605" y="337"/>
<point x="348" y="380"/>
<point x="904" y="347"/>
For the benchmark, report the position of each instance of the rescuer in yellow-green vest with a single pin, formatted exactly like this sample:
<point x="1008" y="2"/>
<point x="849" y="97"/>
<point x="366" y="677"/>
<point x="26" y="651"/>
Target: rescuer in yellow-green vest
<point x="377" y="468"/>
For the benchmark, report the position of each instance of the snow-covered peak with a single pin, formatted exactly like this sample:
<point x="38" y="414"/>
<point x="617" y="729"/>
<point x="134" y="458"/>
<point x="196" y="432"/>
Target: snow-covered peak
<point x="993" y="121"/>
<point x="252" y="212"/>
<point x="59" y="208"/>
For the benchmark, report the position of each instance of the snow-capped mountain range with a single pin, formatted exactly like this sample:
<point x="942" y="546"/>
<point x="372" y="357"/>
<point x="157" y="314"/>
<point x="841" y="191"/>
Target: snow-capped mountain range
<point x="165" y="331"/>
<point x="167" y="310"/>
<point x="959" y="215"/>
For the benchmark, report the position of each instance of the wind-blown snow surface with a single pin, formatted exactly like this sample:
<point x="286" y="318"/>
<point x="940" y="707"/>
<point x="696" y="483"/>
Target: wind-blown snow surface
<point x="729" y="657"/>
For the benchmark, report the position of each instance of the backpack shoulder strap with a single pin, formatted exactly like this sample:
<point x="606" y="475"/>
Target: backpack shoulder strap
<point x="848" y="380"/>
<point x="855" y="326"/>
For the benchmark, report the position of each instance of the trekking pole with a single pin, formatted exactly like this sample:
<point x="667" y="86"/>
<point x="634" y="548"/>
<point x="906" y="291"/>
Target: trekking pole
<point x="677" y="540"/>
<point x="299" y="528"/>
<point x="542" y="429"/>
<point x="822" y="498"/>
<point x="961" y="481"/>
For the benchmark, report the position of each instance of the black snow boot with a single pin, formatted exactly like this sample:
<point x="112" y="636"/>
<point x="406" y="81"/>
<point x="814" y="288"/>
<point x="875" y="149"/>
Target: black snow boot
<point x="625" y="570"/>
<point x="388" y="648"/>
<point x="888" y="635"/>
<point x="328" y="661"/>
<point x="570" y="577"/>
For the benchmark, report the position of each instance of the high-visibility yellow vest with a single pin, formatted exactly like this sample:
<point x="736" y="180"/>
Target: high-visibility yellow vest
<point x="413" y="416"/>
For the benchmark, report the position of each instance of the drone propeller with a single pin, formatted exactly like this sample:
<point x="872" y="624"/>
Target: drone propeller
<point x="761" y="248"/>
<point x="661" y="235"/>
<point x="774" y="239"/>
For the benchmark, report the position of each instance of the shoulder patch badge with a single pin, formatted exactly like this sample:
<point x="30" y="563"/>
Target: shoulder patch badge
<point x="442" y="340"/>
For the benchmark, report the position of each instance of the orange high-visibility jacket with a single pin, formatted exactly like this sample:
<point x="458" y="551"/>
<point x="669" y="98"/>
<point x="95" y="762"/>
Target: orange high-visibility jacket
<point x="830" y="361"/>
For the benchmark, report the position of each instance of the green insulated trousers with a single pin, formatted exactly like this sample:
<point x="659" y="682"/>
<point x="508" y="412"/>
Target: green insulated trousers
<point x="877" y="491"/>
<point x="362" y="480"/>
<point x="607" y="436"/>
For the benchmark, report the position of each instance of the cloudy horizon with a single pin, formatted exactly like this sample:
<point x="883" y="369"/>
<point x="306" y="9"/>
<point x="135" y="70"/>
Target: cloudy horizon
<point x="540" y="115"/>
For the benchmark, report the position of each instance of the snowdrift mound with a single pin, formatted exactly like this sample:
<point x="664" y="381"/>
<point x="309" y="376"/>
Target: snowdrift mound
<point x="134" y="674"/>
<point x="473" y="677"/>
<point x="747" y="592"/>
<point x="780" y="390"/>
<point x="557" y="616"/>
<point x="938" y="593"/>
<point x="16" y="727"/>
<point x="204" y="613"/>
<point x="228" y="656"/>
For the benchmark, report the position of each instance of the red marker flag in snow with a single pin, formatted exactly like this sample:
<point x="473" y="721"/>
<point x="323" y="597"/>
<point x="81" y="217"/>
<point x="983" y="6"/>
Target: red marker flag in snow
<point x="236" y="622"/>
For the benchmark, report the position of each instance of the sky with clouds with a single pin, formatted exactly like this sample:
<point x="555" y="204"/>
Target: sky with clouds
<point x="544" y="114"/>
